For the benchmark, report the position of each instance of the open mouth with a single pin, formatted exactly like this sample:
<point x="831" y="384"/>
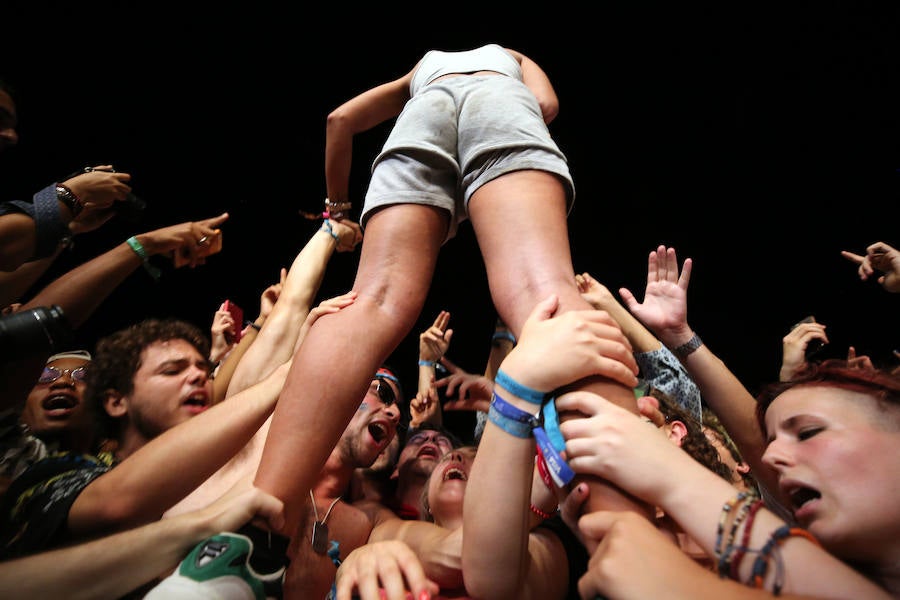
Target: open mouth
<point x="59" y="402"/>
<point x="801" y="495"/>
<point x="378" y="432"/>
<point x="455" y="473"/>
<point x="429" y="451"/>
<point x="197" y="401"/>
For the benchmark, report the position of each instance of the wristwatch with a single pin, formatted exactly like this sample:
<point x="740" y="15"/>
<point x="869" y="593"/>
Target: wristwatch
<point x="688" y="347"/>
<point x="65" y="195"/>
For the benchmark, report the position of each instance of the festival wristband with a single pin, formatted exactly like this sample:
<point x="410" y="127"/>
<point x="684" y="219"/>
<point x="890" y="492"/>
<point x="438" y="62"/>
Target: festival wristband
<point x="560" y="471"/>
<point x="521" y="391"/>
<point x="551" y="425"/>
<point x="510" y="419"/>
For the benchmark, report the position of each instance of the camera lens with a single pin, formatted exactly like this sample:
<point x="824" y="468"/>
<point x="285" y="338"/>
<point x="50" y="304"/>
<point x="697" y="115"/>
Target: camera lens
<point x="28" y="332"/>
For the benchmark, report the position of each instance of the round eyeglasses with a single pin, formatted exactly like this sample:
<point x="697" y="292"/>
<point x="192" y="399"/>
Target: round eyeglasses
<point x="51" y="374"/>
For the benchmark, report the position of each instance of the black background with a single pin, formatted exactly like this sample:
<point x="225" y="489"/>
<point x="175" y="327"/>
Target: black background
<point x="760" y="141"/>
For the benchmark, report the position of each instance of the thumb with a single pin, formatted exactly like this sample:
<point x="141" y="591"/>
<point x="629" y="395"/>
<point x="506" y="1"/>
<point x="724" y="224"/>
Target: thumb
<point x="545" y="308"/>
<point x="628" y="298"/>
<point x="648" y="406"/>
<point x="448" y="335"/>
<point x="596" y="524"/>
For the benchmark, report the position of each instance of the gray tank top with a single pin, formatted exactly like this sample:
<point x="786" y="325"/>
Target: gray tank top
<point x="491" y="57"/>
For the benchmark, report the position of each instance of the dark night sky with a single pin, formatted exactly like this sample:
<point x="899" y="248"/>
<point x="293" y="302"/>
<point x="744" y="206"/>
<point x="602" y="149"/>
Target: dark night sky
<point x="760" y="142"/>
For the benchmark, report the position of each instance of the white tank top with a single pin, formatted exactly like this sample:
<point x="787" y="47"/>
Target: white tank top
<point x="491" y="57"/>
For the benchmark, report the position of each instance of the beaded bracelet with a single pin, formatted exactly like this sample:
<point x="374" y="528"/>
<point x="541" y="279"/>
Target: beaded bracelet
<point x="739" y="552"/>
<point x="724" y="565"/>
<point x="510" y="419"/>
<point x="542" y="514"/>
<point x="521" y="391"/>
<point x="135" y="245"/>
<point x="335" y="210"/>
<point x="720" y="548"/>
<point x="761" y="564"/>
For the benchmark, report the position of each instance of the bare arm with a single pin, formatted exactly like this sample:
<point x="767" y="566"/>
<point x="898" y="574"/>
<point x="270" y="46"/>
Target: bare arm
<point x="537" y="81"/>
<point x="80" y="291"/>
<point x="358" y="114"/>
<point x="664" y="310"/>
<point x="142" y="487"/>
<point x="112" y="566"/>
<point x="501" y="557"/>
<point x="279" y="334"/>
<point x="618" y="446"/>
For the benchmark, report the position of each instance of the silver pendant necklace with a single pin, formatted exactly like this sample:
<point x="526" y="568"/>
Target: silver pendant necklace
<point x="320" y="528"/>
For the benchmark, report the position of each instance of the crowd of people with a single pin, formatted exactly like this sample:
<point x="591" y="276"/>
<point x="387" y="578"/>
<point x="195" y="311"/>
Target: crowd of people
<point x="613" y="453"/>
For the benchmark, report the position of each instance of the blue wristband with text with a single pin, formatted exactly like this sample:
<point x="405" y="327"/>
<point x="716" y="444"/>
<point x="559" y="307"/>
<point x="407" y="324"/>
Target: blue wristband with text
<point x="510" y="419"/>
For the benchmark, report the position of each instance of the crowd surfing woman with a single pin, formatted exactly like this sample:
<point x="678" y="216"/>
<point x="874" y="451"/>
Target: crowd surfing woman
<point x="470" y="141"/>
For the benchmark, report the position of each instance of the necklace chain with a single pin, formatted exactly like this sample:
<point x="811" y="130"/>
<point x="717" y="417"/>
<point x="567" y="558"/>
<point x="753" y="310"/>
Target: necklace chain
<point x="316" y="510"/>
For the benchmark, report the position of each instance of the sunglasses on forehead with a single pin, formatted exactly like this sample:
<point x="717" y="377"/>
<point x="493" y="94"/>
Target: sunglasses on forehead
<point x="51" y="374"/>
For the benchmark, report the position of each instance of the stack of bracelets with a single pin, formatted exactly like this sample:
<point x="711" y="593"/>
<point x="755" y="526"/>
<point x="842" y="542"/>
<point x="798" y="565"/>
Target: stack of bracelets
<point x="735" y="522"/>
<point x="739" y="512"/>
<point x="544" y="425"/>
<point x="333" y="210"/>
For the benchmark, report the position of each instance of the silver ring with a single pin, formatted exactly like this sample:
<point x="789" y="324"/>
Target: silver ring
<point x="202" y="240"/>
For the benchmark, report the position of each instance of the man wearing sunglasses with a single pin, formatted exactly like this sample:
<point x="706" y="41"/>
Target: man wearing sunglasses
<point x="373" y="426"/>
<point x="55" y="416"/>
<point x="330" y="526"/>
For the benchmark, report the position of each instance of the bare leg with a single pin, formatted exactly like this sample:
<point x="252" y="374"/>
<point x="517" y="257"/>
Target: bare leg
<point x="520" y="222"/>
<point x="336" y="362"/>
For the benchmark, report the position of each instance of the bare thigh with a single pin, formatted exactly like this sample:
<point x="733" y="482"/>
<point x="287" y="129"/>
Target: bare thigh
<point x="520" y="222"/>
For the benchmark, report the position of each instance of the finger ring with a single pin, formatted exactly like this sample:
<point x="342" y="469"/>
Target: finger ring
<point x="202" y="240"/>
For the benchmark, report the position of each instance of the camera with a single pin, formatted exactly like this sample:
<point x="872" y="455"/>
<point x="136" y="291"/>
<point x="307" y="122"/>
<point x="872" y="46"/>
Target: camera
<point x="28" y="332"/>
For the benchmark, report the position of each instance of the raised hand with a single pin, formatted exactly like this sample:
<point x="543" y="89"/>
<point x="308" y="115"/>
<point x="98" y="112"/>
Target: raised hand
<point x="434" y="341"/>
<point x="794" y="345"/>
<point x="665" y="299"/>
<point x="425" y="407"/>
<point x="98" y="190"/>
<point x="597" y="294"/>
<point x="473" y="392"/>
<point x="879" y="257"/>
<point x="222" y="333"/>
<point x="187" y="238"/>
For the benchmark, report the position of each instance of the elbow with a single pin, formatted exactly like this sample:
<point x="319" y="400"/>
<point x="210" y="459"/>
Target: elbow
<point x="549" y="111"/>
<point x="337" y="120"/>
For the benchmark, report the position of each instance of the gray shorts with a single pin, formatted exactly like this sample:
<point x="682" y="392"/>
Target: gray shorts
<point x="417" y="177"/>
<point x="456" y="135"/>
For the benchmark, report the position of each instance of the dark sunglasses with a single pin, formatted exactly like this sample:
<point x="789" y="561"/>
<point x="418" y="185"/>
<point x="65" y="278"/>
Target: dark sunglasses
<point x="385" y="392"/>
<point x="51" y="374"/>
